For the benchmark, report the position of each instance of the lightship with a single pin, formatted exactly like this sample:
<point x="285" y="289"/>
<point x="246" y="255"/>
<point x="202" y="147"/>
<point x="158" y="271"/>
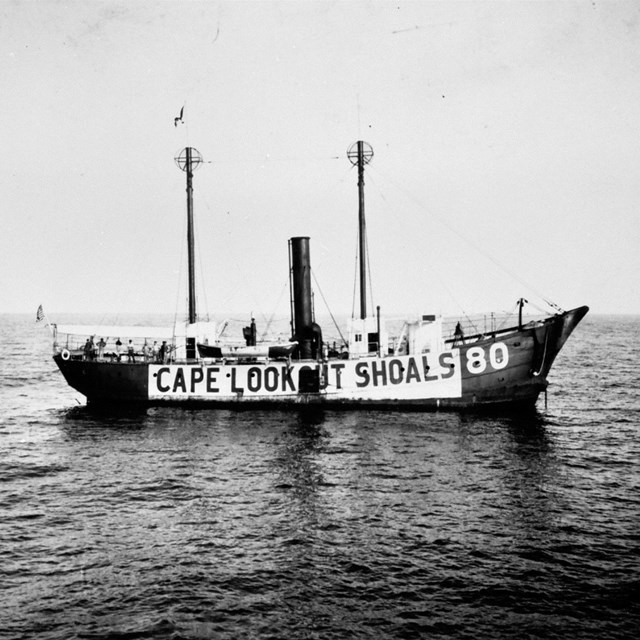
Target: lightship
<point x="420" y="368"/>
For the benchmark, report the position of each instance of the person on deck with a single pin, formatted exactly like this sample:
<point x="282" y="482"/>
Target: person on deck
<point x="101" y="345"/>
<point x="118" y="348"/>
<point x="131" y="354"/>
<point x="88" y="349"/>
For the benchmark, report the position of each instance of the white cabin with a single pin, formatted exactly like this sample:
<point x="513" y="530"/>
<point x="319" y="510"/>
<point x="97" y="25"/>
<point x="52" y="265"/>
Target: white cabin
<point x="366" y="338"/>
<point x="421" y="336"/>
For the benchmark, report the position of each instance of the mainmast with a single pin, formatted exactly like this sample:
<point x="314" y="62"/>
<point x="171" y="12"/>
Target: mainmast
<point x="360" y="153"/>
<point x="188" y="160"/>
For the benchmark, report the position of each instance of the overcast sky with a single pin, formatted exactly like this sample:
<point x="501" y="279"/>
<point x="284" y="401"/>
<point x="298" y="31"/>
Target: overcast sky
<point x="506" y="139"/>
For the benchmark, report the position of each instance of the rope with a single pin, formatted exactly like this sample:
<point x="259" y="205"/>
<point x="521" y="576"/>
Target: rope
<point x="182" y="247"/>
<point x="507" y="316"/>
<point x="355" y="281"/>
<point x="472" y="244"/>
<point x="335" y="324"/>
<point x="202" y="287"/>
<point x="270" y="320"/>
<point x="366" y="241"/>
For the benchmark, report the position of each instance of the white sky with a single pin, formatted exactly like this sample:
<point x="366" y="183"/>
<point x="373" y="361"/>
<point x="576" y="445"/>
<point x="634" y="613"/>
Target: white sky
<point x="503" y="133"/>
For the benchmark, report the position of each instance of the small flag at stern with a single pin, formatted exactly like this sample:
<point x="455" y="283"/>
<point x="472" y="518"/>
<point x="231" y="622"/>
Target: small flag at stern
<point x="39" y="314"/>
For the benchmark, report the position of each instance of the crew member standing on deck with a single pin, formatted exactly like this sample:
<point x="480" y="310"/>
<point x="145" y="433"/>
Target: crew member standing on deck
<point x="131" y="354"/>
<point x="458" y="335"/>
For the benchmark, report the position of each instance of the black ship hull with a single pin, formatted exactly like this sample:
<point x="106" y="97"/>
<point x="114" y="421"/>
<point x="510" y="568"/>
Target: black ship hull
<point x="502" y="369"/>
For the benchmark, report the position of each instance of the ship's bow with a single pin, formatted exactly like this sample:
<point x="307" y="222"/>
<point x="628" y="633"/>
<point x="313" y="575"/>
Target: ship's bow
<point x="559" y="333"/>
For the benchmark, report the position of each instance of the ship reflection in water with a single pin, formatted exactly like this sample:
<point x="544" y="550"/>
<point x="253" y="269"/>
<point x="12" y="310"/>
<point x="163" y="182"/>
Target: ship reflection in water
<point x="279" y="522"/>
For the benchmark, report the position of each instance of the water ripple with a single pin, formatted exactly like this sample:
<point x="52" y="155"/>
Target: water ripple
<point x="169" y="523"/>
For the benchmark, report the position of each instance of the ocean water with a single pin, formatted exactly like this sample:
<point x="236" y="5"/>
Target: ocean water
<point x="172" y="523"/>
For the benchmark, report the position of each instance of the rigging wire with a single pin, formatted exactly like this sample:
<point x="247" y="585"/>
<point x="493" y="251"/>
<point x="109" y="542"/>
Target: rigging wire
<point x="199" y="253"/>
<point x="355" y="280"/>
<point x="335" y="323"/>
<point x="473" y="244"/>
<point x="469" y="321"/>
<point x="178" y="291"/>
<point x="263" y="159"/>
<point x="273" y="314"/>
<point x="433" y="270"/>
<point x="366" y="241"/>
<point x="507" y="316"/>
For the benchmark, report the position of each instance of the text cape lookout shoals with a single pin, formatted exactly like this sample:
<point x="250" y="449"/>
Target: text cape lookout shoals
<point x="420" y="368"/>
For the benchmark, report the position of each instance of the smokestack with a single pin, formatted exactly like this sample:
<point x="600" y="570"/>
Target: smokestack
<point x="305" y="331"/>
